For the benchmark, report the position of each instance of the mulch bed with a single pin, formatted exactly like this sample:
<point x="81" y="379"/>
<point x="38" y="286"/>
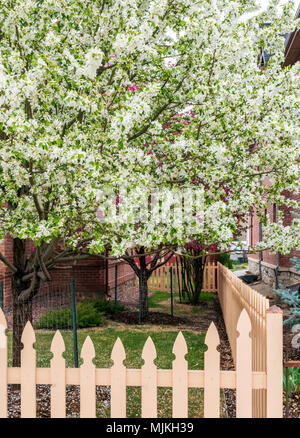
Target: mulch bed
<point x="155" y="318"/>
<point x="43" y="405"/>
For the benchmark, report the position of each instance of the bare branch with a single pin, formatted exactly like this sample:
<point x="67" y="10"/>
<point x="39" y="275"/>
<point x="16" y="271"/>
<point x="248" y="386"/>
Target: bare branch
<point x="8" y="263"/>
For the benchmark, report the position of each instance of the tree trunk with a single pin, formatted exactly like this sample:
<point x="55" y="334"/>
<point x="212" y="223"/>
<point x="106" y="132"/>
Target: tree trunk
<point x="22" y="312"/>
<point x="198" y="269"/>
<point x="192" y="276"/>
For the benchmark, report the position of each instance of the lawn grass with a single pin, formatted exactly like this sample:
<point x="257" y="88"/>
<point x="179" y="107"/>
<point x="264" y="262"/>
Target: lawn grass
<point x="157" y="297"/>
<point x="134" y="338"/>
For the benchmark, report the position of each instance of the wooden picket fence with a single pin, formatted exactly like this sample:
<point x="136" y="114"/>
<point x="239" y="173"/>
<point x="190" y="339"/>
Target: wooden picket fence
<point x="234" y="296"/>
<point x="160" y="278"/>
<point x="149" y="378"/>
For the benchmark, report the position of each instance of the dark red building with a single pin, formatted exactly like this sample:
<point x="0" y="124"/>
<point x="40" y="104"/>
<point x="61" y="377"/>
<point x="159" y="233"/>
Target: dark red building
<point x="94" y="277"/>
<point x="275" y="268"/>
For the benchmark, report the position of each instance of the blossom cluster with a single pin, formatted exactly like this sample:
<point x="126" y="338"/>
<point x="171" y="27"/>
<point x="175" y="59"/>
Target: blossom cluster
<point x="96" y="96"/>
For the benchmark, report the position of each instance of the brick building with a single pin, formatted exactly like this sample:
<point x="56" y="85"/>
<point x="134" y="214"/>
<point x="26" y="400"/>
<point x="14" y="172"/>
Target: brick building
<point x="274" y="268"/>
<point x="94" y="277"/>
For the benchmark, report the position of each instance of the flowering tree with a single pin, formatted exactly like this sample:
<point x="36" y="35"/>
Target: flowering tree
<point x="86" y="89"/>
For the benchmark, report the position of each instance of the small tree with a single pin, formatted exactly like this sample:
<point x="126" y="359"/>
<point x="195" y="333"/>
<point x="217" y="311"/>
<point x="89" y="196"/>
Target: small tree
<point x="144" y="266"/>
<point x="86" y="89"/>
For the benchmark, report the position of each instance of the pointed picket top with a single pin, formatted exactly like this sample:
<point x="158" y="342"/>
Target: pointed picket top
<point x="118" y="352"/>
<point x="3" y="321"/>
<point x="212" y="339"/>
<point x="149" y="350"/>
<point x="57" y="344"/>
<point x="87" y="350"/>
<point x="180" y="347"/>
<point x="244" y="323"/>
<point x="28" y="334"/>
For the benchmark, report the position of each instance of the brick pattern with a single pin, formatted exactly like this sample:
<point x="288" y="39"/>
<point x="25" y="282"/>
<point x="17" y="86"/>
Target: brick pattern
<point x="90" y="275"/>
<point x="269" y="256"/>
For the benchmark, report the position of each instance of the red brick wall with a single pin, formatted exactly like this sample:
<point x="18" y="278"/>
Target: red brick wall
<point x="269" y="256"/>
<point x="89" y="275"/>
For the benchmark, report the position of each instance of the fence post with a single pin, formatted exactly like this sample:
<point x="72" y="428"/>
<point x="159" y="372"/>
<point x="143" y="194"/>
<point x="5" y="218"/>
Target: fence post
<point x="140" y="296"/>
<point x="274" y="362"/>
<point x="74" y="319"/>
<point x="1" y="294"/>
<point x="116" y="287"/>
<point x="171" y="288"/>
<point x="3" y="366"/>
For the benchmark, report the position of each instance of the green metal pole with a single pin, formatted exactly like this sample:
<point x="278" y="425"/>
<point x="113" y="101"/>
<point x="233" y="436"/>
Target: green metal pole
<point x="116" y="287"/>
<point x="74" y="318"/>
<point x="140" y="297"/>
<point x="287" y="392"/>
<point x="171" y="288"/>
<point x="1" y="294"/>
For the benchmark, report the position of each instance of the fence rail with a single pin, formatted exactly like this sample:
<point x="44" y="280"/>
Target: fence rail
<point x="118" y="377"/>
<point x="160" y="278"/>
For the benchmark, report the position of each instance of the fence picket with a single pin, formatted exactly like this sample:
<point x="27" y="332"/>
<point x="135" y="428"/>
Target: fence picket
<point x="244" y="367"/>
<point x="3" y="365"/>
<point x="118" y="381"/>
<point x="160" y="279"/>
<point x="87" y="380"/>
<point x="258" y="361"/>
<point x="28" y="373"/>
<point x="180" y="378"/>
<point x="149" y="381"/>
<point x="212" y="374"/>
<point x="58" y="377"/>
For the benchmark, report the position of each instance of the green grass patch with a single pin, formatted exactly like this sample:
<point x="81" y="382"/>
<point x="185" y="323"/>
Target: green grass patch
<point x="158" y="297"/>
<point x="133" y="341"/>
<point x="204" y="297"/>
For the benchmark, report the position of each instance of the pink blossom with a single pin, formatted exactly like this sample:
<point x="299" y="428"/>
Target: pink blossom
<point x="133" y="87"/>
<point x="100" y="214"/>
<point x="108" y="93"/>
<point x="112" y="55"/>
<point x="150" y="152"/>
<point x="118" y="200"/>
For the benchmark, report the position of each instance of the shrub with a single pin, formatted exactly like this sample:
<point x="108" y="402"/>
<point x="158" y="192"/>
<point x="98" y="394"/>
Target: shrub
<point x="89" y="314"/>
<point x="108" y="307"/>
<point x="226" y="260"/>
<point x="56" y="319"/>
<point x="293" y="386"/>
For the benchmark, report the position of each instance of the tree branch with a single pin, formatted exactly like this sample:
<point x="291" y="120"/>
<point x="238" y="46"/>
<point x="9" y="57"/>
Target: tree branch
<point x="8" y="263"/>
